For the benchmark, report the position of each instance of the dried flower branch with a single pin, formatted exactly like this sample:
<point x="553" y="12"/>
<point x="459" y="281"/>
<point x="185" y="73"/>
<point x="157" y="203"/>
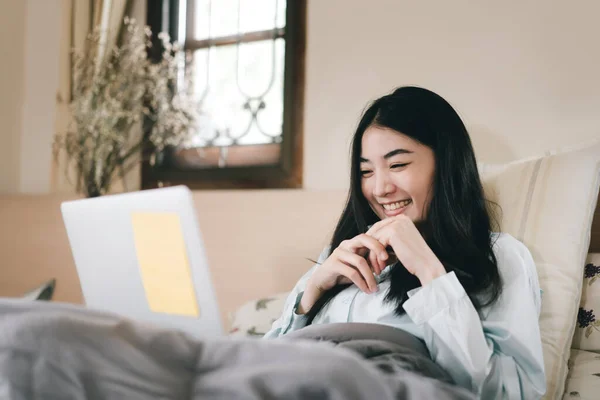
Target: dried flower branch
<point x="113" y="95"/>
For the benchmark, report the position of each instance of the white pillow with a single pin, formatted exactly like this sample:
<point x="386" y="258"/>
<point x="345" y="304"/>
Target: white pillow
<point x="548" y="204"/>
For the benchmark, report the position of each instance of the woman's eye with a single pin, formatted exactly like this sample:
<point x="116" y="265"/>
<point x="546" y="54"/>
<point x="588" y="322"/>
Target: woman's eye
<point x="399" y="165"/>
<point x="365" y="172"/>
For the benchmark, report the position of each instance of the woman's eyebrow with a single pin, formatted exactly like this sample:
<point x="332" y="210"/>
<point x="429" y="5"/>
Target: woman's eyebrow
<point x="390" y="154"/>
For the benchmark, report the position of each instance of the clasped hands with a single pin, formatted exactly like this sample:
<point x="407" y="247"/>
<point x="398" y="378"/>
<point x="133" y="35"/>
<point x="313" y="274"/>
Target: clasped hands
<point x="359" y="259"/>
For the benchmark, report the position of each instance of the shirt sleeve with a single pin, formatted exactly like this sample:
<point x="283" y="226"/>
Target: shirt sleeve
<point x="289" y="320"/>
<point x="498" y="355"/>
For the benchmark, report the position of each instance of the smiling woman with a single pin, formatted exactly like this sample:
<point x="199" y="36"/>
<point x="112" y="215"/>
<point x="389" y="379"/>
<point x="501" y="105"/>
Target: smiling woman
<point x="416" y="248"/>
<point x="397" y="173"/>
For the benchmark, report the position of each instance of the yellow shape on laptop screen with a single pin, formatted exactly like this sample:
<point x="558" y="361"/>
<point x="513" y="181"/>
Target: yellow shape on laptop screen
<point x="164" y="264"/>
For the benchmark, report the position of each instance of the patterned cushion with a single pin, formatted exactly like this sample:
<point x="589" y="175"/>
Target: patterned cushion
<point x="548" y="203"/>
<point x="43" y="292"/>
<point x="584" y="376"/>
<point x="587" y="332"/>
<point x="255" y="318"/>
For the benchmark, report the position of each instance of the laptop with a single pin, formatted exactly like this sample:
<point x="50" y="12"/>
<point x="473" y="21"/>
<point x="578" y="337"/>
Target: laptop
<point x="141" y="255"/>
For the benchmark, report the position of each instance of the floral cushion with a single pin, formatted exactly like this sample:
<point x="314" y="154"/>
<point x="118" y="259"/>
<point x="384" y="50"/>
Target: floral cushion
<point x="583" y="381"/>
<point x="587" y="332"/>
<point x="256" y="317"/>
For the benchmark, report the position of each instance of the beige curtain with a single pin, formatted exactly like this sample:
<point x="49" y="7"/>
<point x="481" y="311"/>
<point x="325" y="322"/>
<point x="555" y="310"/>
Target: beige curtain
<point x="79" y="19"/>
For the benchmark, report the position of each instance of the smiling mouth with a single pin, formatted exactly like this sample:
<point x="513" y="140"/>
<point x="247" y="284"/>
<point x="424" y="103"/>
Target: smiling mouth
<point x="397" y="205"/>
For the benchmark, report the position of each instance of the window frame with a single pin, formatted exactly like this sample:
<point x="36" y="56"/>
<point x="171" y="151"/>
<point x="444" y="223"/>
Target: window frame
<point x="285" y="174"/>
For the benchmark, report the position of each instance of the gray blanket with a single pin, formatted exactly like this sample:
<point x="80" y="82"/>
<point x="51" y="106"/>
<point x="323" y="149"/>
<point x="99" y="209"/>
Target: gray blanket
<point x="56" y="351"/>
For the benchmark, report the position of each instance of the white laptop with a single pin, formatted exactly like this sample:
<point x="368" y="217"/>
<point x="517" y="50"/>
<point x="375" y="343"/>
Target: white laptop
<point x="141" y="255"/>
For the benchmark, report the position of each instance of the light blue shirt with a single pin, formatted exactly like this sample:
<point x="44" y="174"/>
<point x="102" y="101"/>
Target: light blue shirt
<point x="496" y="352"/>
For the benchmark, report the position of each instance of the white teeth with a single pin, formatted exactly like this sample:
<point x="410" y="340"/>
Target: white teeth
<point x="395" y="206"/>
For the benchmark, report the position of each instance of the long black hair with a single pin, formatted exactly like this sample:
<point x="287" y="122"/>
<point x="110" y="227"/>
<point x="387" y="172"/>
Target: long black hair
<point x="459" y="218"/>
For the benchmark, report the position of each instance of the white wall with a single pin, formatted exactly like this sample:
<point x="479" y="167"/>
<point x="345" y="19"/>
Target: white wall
<point x="43" y="22"/>
<point x="524" y="75"/>
<point x="29" y="42"/>
<point x="12" y="48"/>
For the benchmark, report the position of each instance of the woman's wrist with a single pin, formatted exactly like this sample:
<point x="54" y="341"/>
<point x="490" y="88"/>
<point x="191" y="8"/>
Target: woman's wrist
<point x="309" y="298"/>
<point x="433" y="271"/>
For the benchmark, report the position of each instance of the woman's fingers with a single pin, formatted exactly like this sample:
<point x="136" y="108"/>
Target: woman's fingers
<point x="353" y="276"/>
<point x="374" y="262"/>
<point x="365" y="241"/>
<point x="378" y="225"/>
<point x="381" y="234"/>
<point x="358" y="272"/>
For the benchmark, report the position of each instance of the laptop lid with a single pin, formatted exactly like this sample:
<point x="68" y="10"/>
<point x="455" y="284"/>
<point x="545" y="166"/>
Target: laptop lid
<point x="141" y="255"/>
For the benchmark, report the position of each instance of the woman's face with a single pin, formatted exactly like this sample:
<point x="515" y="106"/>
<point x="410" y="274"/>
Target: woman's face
<point x="396" y="173"/>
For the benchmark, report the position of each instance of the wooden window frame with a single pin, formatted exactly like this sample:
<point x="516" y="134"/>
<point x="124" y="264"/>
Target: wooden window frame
<point x="285" y="174"/>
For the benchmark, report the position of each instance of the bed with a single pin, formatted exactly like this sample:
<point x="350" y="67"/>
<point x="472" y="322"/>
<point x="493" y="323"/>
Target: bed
<point x="50" y="350"/>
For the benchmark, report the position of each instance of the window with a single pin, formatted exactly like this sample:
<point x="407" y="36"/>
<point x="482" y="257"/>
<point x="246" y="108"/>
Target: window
<point x="248" y="72"/>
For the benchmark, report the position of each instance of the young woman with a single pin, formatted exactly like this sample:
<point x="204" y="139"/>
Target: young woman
<point x="415" y="249"/>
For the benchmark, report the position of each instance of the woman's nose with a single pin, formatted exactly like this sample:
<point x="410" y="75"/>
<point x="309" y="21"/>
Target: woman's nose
<point x="383" y="185"/>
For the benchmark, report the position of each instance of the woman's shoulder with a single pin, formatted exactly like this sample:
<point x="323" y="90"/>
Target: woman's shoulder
<point x="503" y="241"/>
<point x="513" y="257"/>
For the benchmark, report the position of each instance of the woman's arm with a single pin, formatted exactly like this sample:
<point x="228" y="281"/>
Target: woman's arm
<point x="497" y="356"/>
<point x="290" y="320"/>
<point x="354" y="261"/>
